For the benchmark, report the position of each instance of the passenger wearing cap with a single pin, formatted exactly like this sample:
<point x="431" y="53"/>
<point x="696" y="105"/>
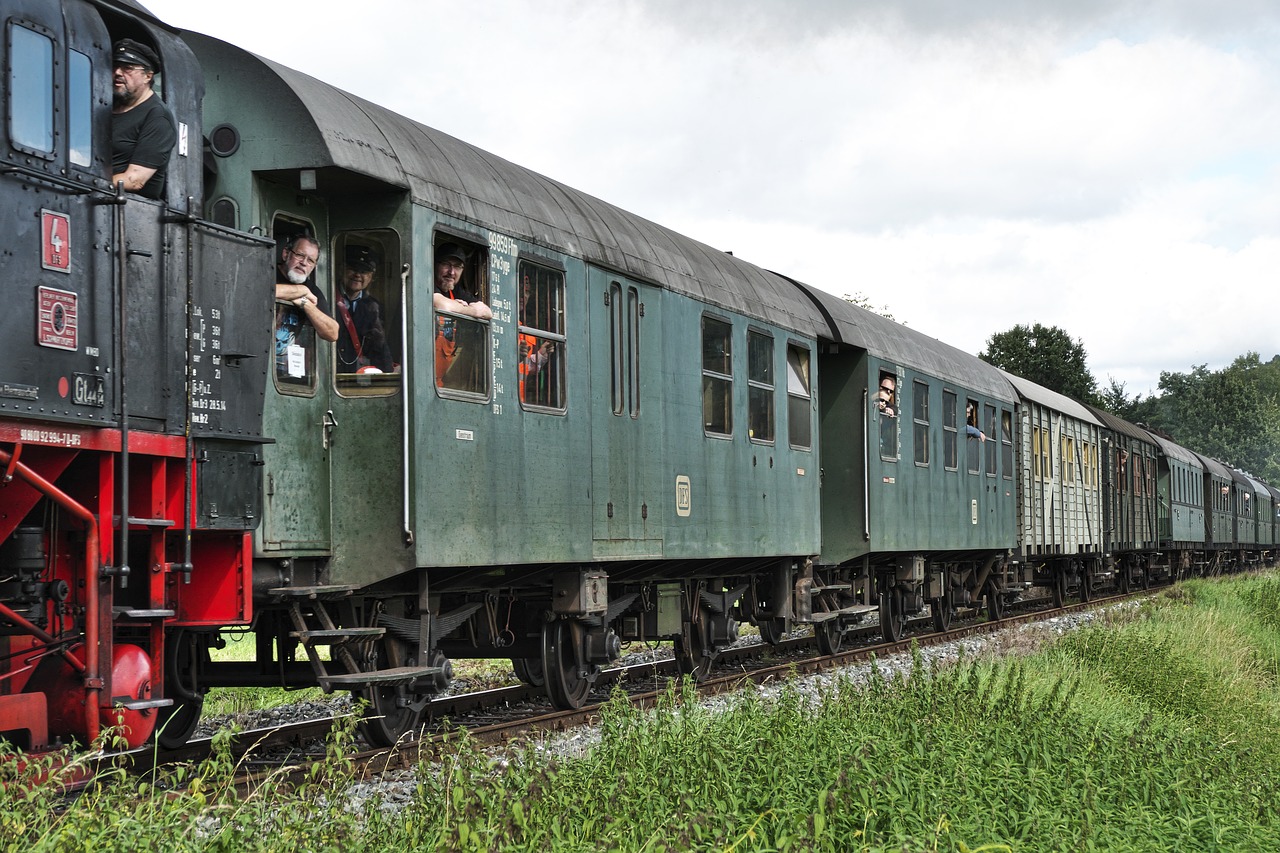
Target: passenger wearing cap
<point x="362" y="337"/>
<point x="452" y="295"/>
<point x="142" y="128"/>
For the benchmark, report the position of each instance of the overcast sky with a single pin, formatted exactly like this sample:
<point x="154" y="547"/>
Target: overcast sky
<point x="1111" y="167"/>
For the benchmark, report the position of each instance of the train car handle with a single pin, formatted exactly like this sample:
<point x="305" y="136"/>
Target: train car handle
<point x="328" y="424"/>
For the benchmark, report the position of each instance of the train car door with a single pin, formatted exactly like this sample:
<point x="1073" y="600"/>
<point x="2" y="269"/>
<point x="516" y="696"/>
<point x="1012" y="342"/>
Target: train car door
<point x="627" y="484"/>
<point x="298" y="415"/>
<point x="367" y="461"/>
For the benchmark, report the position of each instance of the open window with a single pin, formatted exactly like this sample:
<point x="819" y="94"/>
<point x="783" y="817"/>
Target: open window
<point x="541" y="344"/>
<point x="974" y="437"/>
<point x="367" y="303"/>
<point x="295" y="338"/>
<point x="799" y="398"/>
<point x="950" y="434"/>
<point x="461" y="304"/>
<point x="886" y="402"/>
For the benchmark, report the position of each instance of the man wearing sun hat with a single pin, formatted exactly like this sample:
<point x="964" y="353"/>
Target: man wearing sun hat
<point x="142" y="128"/>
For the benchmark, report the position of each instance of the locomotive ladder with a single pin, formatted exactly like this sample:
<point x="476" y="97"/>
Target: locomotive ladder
<point x="314" y="626"/>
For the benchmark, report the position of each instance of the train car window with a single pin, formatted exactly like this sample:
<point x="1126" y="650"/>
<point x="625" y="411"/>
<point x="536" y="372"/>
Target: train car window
<point x="887" y="403"/>
<point x="633" y="350"/>
<point x="366" y="303"/>
<point x="1006" y="444"/>
<point x="799" y="398"/>
<point x="1068" y="460"/>
<point x="760" y="410"/>
<point x="1036" y="470"/>
<point x="920" y="420"/>
<point x="80" y="109"/>
<point x="541" y="342"/>
<point x="30" y="90"/>
<point x="950" y="431"/>
<point x="973" y="439"/>
<point x="989" y="432"/>
<point x="717" y="377"/>
<point x="462" y="320"/>
<point x="1046" y="451"/>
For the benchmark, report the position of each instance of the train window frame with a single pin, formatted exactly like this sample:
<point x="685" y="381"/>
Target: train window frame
<point x="799" y="396"/>
<point x="717" y="377"/>
<point x="761" y="416"/>
<point x="992" y="450"/>
<point x="385" y="287"/>
<point x="474" y="384"/>
<point x="888" y="404"/>
<point x="285" y="228"/>
<point x="79" y="109"/>
<point x="541" y="339"/>
<point x="972" y="443"/>
<point x="1006" y="444"/>
<point x="31" y="101"/>
<point x="950" y="430"/>
<point x="920" y="421"/>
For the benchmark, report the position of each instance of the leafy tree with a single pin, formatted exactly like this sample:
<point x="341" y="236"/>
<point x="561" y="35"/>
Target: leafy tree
<point x="1137" y="410"/>
<point x="1231" y="414"/>
<point x="863" y="301"/>
<point x="1046" y="355"/>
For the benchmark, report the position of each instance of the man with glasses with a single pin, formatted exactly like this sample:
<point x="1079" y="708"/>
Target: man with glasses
<point x="298" y="260"/>
<point x="142" y="128"/>
<point x="299" y="303"/>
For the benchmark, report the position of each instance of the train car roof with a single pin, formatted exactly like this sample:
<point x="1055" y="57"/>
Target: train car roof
<point x="1120" y="425"/>
<point x="1042" y="395"/>
<point x="1173" y="450"/>
<point x="330" y="127"/>
<point x="1214" y="467"/>
<point x="891" y="341"/>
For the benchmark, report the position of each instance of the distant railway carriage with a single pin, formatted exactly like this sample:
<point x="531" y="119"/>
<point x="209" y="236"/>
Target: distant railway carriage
<point x="648" y="440"/>
<point x="1060" y="521"/>
<point x="1128" y="464"/>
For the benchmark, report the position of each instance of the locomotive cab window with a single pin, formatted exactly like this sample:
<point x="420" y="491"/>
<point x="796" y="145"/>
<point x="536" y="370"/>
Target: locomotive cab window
<point x="717" y="377"/>
<point x="367" y="305"/>
<point x="541" y="341"/>
<point x="30" y="91"/>
<point x="760" y="417"/>
<point x="462" y="314"/>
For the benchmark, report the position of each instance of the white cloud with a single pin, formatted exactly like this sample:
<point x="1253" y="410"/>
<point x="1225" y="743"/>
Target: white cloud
<point x="1108" y="167"/>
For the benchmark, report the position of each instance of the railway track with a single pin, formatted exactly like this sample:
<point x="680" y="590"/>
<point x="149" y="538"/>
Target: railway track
<point x="286" y="754"/>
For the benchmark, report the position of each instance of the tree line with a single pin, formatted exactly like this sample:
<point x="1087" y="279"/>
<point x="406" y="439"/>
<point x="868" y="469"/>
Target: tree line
<point x="1232" y="414"/>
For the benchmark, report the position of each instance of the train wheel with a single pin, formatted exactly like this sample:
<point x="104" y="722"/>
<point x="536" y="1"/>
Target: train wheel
<point x="830" y="636"/>
<point x="995" y="602"/>
<point x="1086" y="584"/>
<point x="941" y="608"/>
<point x="770" y="632"/>
<point x="393" y="712"/>
<point x="182" y="655"/>
<point x="891" y="616"/>
<point x="1059" y="588"/>
<point x="529" y="670"/>
<point x="567" y="685"/>
<point x="694" y="654"/>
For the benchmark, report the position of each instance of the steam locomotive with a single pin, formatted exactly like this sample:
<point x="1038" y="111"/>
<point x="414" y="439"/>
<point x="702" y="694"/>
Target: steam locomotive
<point x="648" y="440"/>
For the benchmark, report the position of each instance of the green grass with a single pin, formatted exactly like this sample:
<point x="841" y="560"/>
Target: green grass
<point x="1158" y="733"/>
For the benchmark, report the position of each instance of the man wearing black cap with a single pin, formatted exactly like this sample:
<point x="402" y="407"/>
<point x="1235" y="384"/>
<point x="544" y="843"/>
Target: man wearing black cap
<point x="142" y="129"/>
<point x="362" y="336"/>
<point x="452" y="295"/>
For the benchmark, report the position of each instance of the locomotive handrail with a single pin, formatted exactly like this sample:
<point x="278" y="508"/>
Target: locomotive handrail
<point x="76" y="187"/>
<point x="92" y="551"/>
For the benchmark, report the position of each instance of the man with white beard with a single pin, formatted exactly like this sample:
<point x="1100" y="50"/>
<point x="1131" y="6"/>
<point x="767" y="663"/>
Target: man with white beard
<point x="298" y="259"/>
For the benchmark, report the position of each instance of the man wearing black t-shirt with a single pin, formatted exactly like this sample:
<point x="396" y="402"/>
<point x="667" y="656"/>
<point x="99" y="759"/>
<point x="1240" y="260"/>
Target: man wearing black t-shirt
<point x="142" y="129"/>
